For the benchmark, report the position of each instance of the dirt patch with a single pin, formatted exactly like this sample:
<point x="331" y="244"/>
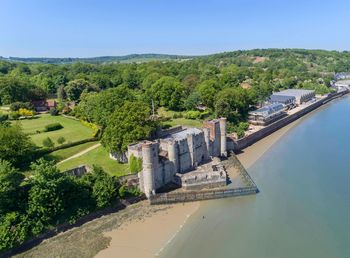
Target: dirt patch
<point x="259" y="59"/>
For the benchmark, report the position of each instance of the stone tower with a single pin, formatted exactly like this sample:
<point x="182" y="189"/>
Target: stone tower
<point x="223" y="140"/>
<point x="173" y="154"/>
<point x="207" y="141"/>
<point x="149" y="165"/>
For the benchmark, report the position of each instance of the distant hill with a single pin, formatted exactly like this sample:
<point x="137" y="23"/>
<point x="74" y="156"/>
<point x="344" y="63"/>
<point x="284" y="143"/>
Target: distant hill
<point x="133" y="58"/>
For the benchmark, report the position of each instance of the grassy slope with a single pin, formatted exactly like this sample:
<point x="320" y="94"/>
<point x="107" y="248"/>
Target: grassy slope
<point x="68" y="152"/>
<point x="100" y="157"/>
<point x="73" y="130"/>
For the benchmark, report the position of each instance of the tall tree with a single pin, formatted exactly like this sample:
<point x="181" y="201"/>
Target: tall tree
<point x="16" y="147"/>
<point x="10" y="180"/>
<point x="168" y="92"/>
<point x="128" y="124"/>
<point x="76" y="87"/>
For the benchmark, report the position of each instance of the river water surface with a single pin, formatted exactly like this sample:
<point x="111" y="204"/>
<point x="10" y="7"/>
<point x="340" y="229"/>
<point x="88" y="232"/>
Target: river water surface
<point x="303" y="208"/>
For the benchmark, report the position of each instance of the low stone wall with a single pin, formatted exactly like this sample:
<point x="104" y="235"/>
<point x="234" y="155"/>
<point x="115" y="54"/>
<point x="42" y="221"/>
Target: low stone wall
<point x="208" y="194"/>
<point x="129" y="180"/>
<point x="190" y="196"/>
<point x="254" y="137"/>
<point x="78" y="171"/>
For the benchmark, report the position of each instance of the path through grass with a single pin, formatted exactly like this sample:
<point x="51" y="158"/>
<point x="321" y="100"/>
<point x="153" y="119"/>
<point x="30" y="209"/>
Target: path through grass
<point x="100" y="157"/>
<point x="72" y="130"/>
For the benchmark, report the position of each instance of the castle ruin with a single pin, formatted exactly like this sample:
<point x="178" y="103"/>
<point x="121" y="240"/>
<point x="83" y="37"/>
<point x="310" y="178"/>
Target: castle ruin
<point x="168" y="159"/>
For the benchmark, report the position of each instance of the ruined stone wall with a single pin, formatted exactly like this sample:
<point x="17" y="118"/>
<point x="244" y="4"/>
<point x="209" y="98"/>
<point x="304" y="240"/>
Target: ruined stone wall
<point x="185" y="162"/>
<point x="164" y="174"/>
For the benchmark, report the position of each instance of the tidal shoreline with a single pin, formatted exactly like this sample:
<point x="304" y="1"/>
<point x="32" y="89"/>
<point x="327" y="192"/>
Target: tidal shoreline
<point x="141" y="230"/>
<point x="147" y="238"/>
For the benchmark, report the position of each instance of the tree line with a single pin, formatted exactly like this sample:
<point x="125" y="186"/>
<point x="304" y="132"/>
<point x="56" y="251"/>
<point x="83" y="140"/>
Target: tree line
<point x="118" y="98"/>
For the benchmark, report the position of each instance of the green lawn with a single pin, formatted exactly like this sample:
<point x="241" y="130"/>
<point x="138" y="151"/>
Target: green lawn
<point x="178" y="121"/>
<point x="100" y="157"/>
<point x="5" y="109"/>
<point x="184" y="122"/>
<point x="72" y="130"/>
<point x="68" y="152"/>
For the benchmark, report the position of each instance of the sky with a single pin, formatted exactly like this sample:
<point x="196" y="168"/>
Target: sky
<point x="88" y="28"/>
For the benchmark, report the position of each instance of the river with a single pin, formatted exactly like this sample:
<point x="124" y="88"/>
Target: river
<point x="303" y="208"/>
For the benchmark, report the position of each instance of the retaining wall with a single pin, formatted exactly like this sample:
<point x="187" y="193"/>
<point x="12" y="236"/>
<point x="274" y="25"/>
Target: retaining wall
<point x="190" y="196"/>
<point x="254" y="137"/>
<point x="208" y="194"/>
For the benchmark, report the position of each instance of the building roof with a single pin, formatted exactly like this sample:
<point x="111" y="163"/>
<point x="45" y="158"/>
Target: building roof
<point x="281" y="98"/>
<point x="51" y="103"/>
<point x="294" y="92"/>
<point x="268" y="110"/>
<point x="183" y="134"/>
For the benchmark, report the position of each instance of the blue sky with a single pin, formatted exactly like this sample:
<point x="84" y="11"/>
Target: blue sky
<point x="85" y="28"/>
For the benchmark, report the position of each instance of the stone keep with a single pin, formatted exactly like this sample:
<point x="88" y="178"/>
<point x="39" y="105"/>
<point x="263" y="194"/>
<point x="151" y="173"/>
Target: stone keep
<point x="178" y="152"/>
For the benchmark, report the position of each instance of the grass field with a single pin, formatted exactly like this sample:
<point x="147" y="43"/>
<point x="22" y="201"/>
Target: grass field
<point x="100" y="157"/>
<point x="5" y="109"/>
<point x="68" y="152"/>
<point x="72" y="130"/>
<point x="178" y="121"/>
<point x="184" y="122"/>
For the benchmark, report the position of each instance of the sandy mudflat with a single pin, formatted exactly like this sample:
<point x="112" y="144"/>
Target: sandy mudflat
<point x="140" y="230"/>
<point x="146" y="237"/>
<point x="251" y="154"/>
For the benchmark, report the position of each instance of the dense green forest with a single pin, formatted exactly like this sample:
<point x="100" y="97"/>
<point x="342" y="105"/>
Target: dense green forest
<point x="228" y="84"/>
<point x="117" y="98"/>
<point x="98" y="60"/>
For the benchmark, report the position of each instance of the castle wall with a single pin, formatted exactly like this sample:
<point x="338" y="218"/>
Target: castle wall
<point x="179" y="153"/>
<point x="185" y="161"/>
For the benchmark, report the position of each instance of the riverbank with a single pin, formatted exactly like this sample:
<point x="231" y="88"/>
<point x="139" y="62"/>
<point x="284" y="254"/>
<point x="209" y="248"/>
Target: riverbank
<point x="251" y="154"/>
<point x="147" y="237"/>
<point x="140" y="230"/>
<point x="301" y="210"/>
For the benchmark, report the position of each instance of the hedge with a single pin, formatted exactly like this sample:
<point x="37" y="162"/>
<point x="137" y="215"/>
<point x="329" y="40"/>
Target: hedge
<point x="41" y="152"/>
<point x="53" y="127"/>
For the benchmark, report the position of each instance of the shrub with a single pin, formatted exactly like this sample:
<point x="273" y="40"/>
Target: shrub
<point x="25" y="112"/>
<point x="14" y="115"/>
<point x="53" y="127"/>
<point x="14" y="230"/>
<point x="95" y="128"/>
<point x="129" y="191"/>
<point x="66" y="110"/>
<point x="240" y="133"/>
<point x="135" y="164"/>
<point x="205" y="114"/>
<point x="61" y="140"/>
<point x="53" y="112"/>
<point x="241" y="128"/>
<point x="193" y="114"/>
<point x="3" y="117"/>
<point x="177" y="115"/>
<point x="48" y="143"/>
<point x="243" y="125"/>
<point x="15" y="106"/>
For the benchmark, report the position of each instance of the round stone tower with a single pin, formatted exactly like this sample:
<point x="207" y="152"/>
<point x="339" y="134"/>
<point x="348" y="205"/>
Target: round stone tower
<point x="173" y="154"/>
<point x="207" y="141"/>
<point x="148" y="168"/>
<point x="223" y="140"/>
